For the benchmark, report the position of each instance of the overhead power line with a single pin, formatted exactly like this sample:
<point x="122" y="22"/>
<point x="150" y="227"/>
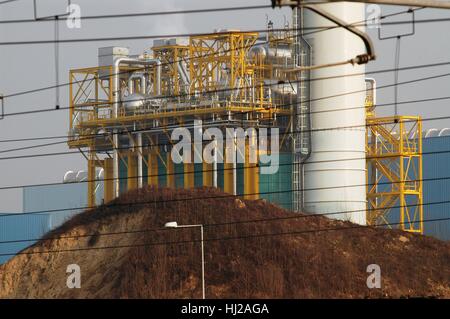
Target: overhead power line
<point x="212" y="54"/>
<point x="139" y="14"/>
<point x="260" y="235"/>
<point x="289" y="104"/>
<point x="143" y="37"/>
<point x="224" y="196"/>
<point x="52" y="109"/>
<point x="292" y="216"/>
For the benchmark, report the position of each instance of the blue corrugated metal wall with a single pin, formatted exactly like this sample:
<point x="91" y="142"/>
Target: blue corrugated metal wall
<point x="436" y="185"/>
<point x="20" y="227"/>
<point x="60" y="201"/>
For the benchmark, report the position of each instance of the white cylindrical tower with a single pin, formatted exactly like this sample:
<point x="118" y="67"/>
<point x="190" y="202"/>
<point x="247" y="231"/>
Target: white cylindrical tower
<point x="337" y="162"/>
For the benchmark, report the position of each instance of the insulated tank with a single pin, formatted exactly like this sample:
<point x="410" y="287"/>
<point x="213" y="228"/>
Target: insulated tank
<point x="335" y="173"/>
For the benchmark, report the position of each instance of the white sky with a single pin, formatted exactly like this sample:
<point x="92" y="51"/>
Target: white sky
<point x="28" y="67"/>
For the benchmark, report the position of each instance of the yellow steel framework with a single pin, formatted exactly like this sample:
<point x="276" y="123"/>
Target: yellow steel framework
<point x="394" y="170"/>
<point x="170" y="56"/>
<point x="222" y="84"/>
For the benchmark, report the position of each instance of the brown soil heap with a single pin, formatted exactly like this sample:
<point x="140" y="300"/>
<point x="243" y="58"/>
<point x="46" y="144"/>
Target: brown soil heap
<point x="123" y="252"/>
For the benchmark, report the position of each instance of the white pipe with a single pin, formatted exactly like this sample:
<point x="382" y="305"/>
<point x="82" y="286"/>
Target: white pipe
<point x="116" y="92"/>
<point x="183" y="74"/>
<point x="138" y="145"/>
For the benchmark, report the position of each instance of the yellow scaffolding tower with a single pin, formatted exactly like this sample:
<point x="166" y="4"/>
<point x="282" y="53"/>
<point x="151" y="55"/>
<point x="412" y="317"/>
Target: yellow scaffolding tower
<point x="394" y="170"/>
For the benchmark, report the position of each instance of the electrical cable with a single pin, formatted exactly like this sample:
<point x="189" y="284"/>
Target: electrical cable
<point x="266" y="85"/>
<point x="167" y="144"/>
<point x="310" y="231"/>
<point x="242" y="47"/>
<point x="224" y="196"/>
<point x="238" y="222"/>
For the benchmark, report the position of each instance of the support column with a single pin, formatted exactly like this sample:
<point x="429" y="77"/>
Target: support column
<point x="207" y="174"/>
<point x="132" y="171"/>
<point x="189" y="177"/>
<point x="108" y="182"/>
<point x="170" y="171"/>
<point x="152" y="170"/>
<point x="251" y="176"/>
<point x="91" y="181"/>
<point x="228" y="178"/>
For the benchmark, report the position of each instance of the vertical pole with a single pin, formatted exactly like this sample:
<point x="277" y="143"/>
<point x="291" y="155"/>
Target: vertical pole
<point x="402" y="177"/>
<point x="189" y="170"/>
<point x="228" y="180"/>
<point x="207" y="174"/>
<point x="170" y="171"/>
<point x="228" y="171"/>
<point x="131" y="172"/>
<point x="420" y="202"/>
<point x="91" y="180"/>
<point x="109" y="182"/>
<point x="203" y="263"/>
<point x="251" y="175"/>
<point x="132" y="169"/>
<point x="152" y="171"/>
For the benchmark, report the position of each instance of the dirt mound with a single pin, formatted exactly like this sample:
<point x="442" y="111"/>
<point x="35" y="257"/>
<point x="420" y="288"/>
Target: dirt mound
<point x="123" y="252"/>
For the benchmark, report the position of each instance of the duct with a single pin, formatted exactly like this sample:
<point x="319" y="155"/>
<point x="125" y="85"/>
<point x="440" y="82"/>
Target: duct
<point x="116" y="87"/>
<point x="183" y="74"/>
<point x="138" y="145"/>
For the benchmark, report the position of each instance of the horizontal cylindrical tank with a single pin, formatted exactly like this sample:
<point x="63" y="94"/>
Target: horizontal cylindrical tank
<point x="335" y="174"/>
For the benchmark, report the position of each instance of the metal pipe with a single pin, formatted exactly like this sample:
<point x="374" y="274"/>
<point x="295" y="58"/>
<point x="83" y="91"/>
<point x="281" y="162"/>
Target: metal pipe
<point x="116" y="97"/>
<point x="183" y="74"/>
<point x="138" y="144"/>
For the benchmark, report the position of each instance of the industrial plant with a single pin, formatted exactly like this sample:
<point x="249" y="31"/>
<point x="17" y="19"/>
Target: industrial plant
<point x="292" y="96"/>
<point x="123" y="110"/>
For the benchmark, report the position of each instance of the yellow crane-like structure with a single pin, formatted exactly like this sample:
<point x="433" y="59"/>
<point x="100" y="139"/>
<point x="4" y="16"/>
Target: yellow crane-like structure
<point x="394" y="168"/>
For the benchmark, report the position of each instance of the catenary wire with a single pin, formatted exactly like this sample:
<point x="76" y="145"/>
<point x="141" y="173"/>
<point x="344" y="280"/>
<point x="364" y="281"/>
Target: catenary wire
<point x="309" y="231"/>
<point x="224" y="196"/>
<point x="167" y="144"/>
<point x="238" y="222"/>
<point x="243" y="47"/>
<point x="271" y="84"/>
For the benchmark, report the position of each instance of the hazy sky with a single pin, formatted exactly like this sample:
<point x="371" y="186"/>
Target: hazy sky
<point x="25" y="67"/>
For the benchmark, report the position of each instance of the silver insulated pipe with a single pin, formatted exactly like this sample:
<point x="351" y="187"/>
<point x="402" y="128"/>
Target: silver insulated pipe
<point x="116" y="96"/>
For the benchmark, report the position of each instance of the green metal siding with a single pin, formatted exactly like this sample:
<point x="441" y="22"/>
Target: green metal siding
<point x="220" y="171"/>
<point x="162" y="176"/>
<point x="277" y="188"/>
<point x="123" y="174"/>
<point x="198" y="175"/>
